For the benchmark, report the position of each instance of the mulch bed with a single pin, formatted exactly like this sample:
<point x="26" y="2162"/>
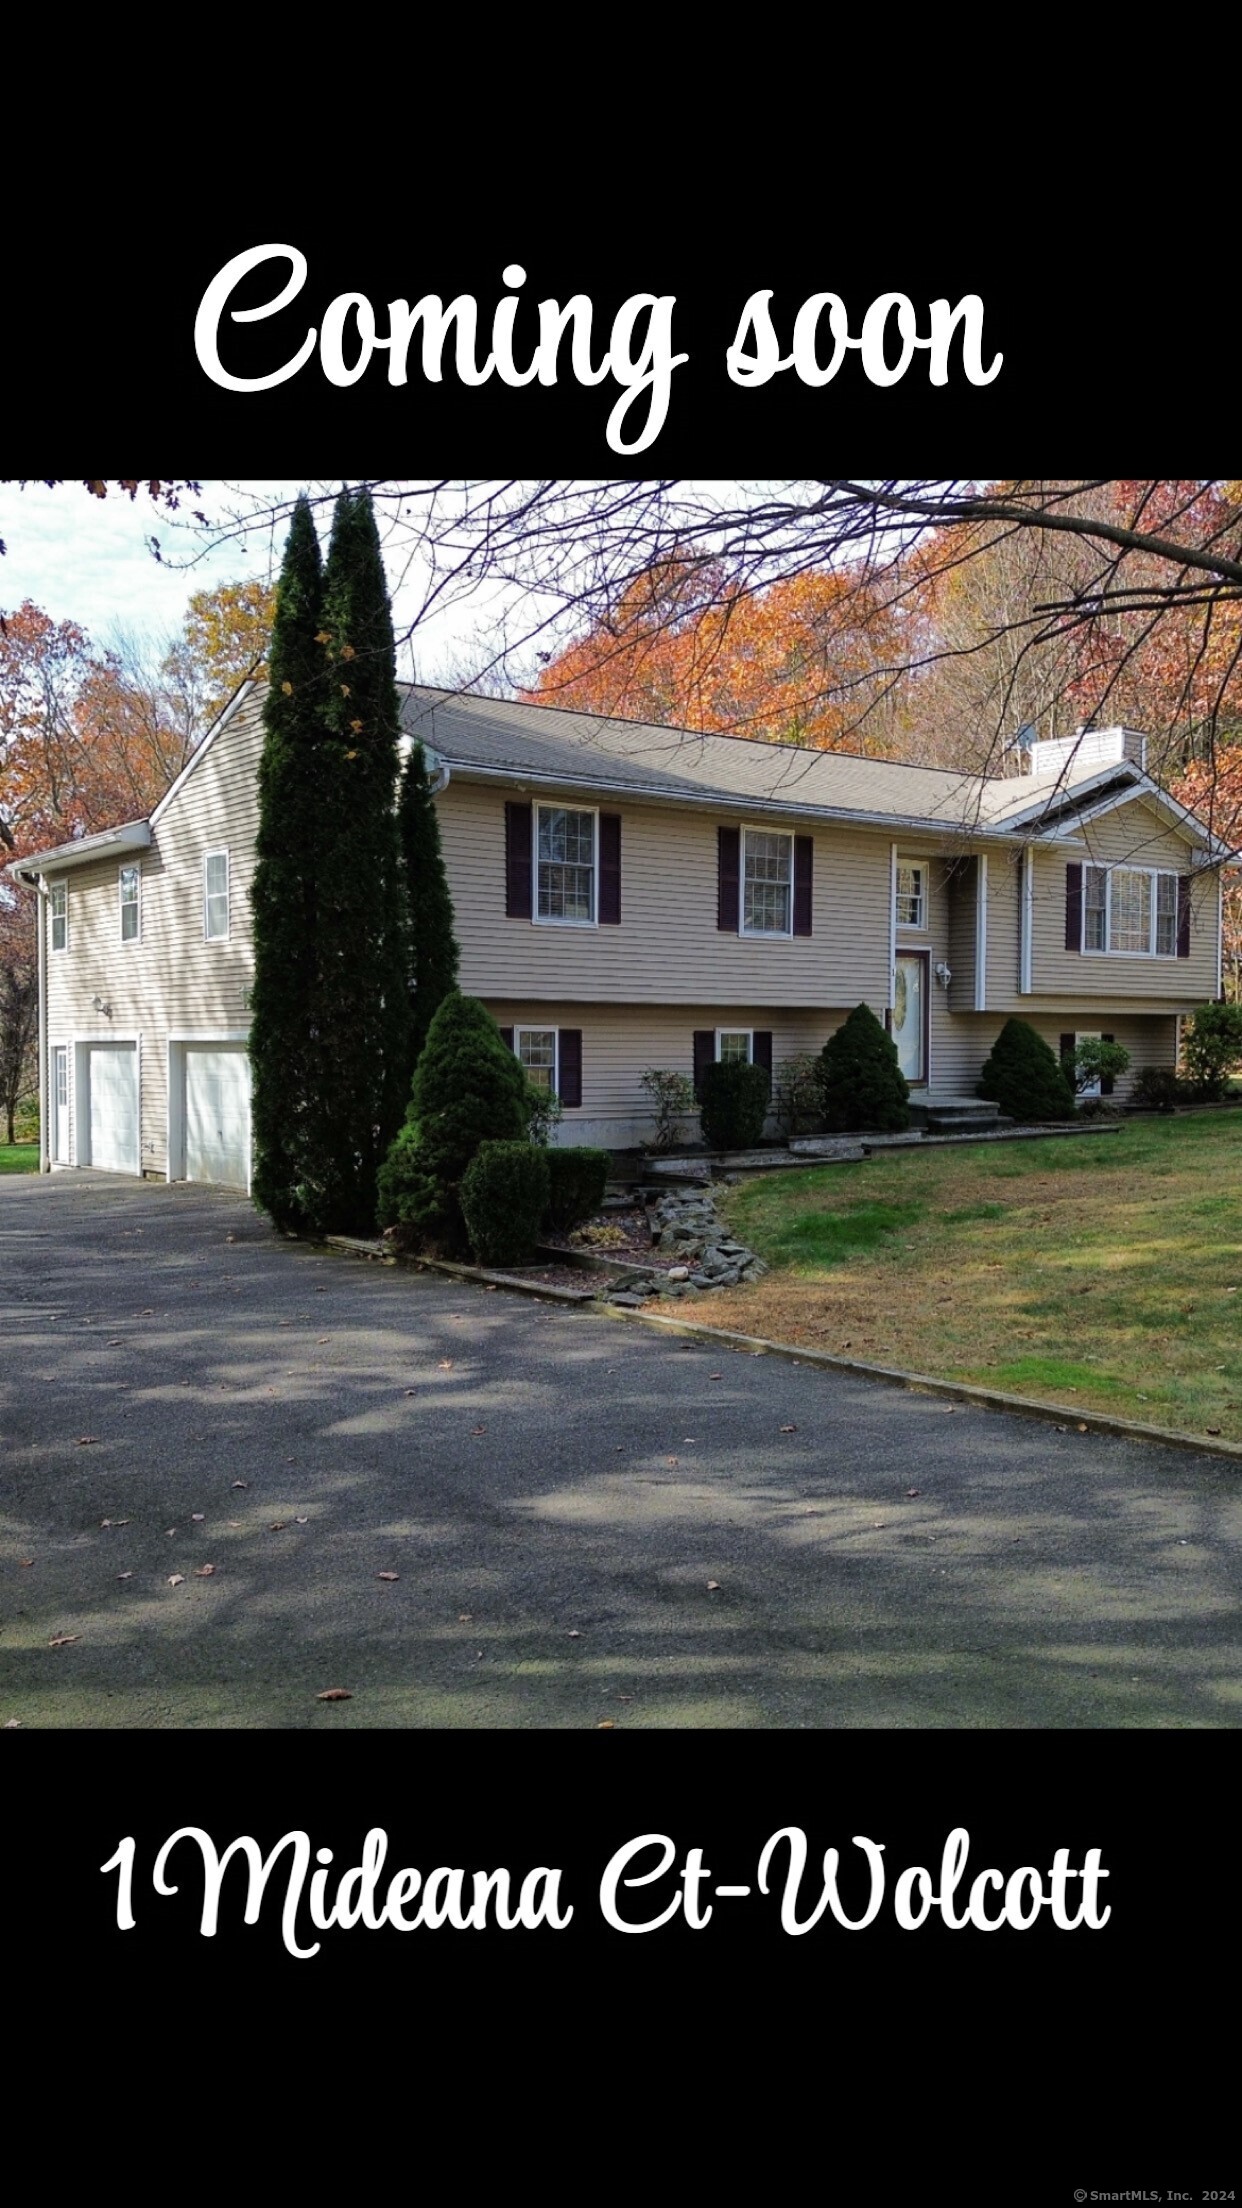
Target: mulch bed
<point x="636" y="1249"/>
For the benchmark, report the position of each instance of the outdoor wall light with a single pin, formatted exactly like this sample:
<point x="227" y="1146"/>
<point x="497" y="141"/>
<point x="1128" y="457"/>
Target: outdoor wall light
<point x="943" y="975"/>
<point x="101" y="1005"/>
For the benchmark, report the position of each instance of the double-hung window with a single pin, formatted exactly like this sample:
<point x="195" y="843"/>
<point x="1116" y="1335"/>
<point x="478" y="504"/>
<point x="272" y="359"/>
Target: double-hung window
<point x="734" y="1045"/>
<point x="60" y="916"/>
<point x="1130" y="910"/>
<point x="566" y="867"/>
<point x="216" y="896"/>
<point x="131" y="921"/>
<point x="536" y="1052"/>
<point x="767" y="883"/>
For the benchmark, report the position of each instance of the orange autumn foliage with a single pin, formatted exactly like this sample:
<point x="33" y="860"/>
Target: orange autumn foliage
<point x="802" y="662"/>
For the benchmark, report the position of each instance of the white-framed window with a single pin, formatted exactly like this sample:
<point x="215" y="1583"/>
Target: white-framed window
<point x="566" y="866"/>
<point x="767" y="882"/>
<point x="735" y="1045"/>
<point x="536" y="1049"/>
<point x="912" y="893"/>
<point x="216" y="896"/>
<point x="1130" y="911"/>
<point x="59" y="910"/>
<point x="131" y="913"/>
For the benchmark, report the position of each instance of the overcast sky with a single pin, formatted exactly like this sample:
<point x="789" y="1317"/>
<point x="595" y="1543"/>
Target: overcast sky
<point x="88" y="560"/>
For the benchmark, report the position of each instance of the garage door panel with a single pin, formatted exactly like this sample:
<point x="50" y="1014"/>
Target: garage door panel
<point x="217" y="1114"/>
<point x="112" y="1073"/>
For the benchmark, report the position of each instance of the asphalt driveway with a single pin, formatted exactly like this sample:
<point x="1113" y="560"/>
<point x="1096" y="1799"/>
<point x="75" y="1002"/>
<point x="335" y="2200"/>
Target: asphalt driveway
<point x="586" y="1520"/>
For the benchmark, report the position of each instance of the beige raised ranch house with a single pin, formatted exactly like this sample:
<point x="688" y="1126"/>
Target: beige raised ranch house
<point x="630" y="897"/>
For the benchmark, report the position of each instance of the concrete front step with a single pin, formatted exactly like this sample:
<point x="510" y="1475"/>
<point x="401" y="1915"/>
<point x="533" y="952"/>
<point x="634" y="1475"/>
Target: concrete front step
<point x="949" y="1112"/>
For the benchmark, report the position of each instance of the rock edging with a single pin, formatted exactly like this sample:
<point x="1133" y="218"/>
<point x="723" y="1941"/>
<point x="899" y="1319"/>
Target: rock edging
<point x="686" y="1225"/>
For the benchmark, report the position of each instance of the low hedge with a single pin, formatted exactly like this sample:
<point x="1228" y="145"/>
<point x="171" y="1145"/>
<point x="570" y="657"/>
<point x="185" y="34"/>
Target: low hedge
<point x="504" y="1200"/>
<point x="733" y="1104"/>
<point x="576" y="1180"/>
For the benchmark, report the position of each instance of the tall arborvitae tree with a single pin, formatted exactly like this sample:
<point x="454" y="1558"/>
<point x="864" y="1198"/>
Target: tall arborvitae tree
<point x="283" y="1033"/>
<point x="433" y="945"/>
<point x="362" y="1006"/>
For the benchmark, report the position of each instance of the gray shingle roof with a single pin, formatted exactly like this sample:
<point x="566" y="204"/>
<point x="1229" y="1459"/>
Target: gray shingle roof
<point x="498" y="736"/>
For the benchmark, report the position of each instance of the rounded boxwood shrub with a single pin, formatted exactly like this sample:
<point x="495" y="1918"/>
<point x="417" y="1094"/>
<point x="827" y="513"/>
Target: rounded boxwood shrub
<point x="504" y="1196"/>
<point x="576" y="1180"/>
<point x="1025" y="1077"/>
<point x="733" y="1104"/>
<point x="861" y="1080"/>
<point x="468" y="1089"/>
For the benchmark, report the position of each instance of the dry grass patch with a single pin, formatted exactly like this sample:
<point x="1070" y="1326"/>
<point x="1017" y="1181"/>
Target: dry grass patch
<point x="1104" y="1273"/>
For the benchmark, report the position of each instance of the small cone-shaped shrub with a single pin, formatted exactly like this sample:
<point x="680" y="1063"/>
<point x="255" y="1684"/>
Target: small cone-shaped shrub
<point x="861" y="1081"/>
<point x="1024" y="1076"/>
<point x="468" y="1089"/>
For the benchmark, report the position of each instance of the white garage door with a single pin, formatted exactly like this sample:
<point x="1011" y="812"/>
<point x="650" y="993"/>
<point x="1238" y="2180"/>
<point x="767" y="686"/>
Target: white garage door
<point x="217" y="1114"/>
<point x="112" y="1072"/>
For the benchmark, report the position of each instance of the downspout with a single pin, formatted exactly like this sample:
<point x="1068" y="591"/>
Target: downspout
<point x="1026" y="920"/>
<point x="39" y="887"/>
<point x="981" y="932"/>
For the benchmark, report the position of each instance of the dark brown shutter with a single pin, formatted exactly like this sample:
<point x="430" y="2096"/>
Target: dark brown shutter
<point x="569" y="1067"/>
<point x="1106" y="1079"/>
<point x="804" y="864"/>
<point x="728" y="881"/>
<point x="517" y="862"/>
<point x="1183" y="915"/>
<point x="761" y="1043"/>
<point x="610" y="870"/>
<point x="1073" y="907"/>
<point x="506" y="1037"/>
<point x="1069" y="1044"/>
<point x="704" y="1055"/>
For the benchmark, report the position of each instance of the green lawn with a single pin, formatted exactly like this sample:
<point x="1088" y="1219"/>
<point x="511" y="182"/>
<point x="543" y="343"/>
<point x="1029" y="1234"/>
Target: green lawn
<point x="19" y="1157"/>
<point x="1104" y="1272"/>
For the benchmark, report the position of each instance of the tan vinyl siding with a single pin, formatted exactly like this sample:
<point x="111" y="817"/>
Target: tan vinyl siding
<point x="1150" y="1039"/>
<point x="1132" y="835"/>
<point x="619" y="1041"/>
<point x="667" y="947"/>
<point x="172" y="980"/>
<point x="962" y="891"/>
<point x="1004" y="911"/>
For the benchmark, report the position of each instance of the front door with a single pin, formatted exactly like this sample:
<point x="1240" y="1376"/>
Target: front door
<point x="60" y="1106"/>
<point x="910" y="1015"/>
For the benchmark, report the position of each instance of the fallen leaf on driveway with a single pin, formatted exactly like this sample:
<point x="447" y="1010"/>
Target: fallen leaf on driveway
<point x="301" y="1521"/>
<point x="713" y="1586"/>
<point x="574" y="1634"/>
<point x="411" y="1391"/>
<point x="388" y="1575"/>
<point x="64" y="1640"/>
<point x="12" y="1725"/>
<point x="177" y="1579"/>
<point x="713" y="1376"/>
<point x="197" y="1517"/>
<point x="670" y="1460"/>
<point x="789" y="1429"/>
<point x="446" y="1364"/>
<point x="1081" y="1428"/>
<point x="278" y="1525"/>
<point x="465" y="1617"/>
<point x="478" y="1429"/>
<point x="204" y="1571"/>
<point x="124" y="1575"/>
<point x="170" y="1530"/>
<point x="335" y="1694"/>
<point x="112" y="1522"/>
<point x="241" y="1483"/>
<point x="606" y="1725"/>
<point x="913" y="1491"/>
<point x="85" y="1440"/>
<point x="27" y="1562"/>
